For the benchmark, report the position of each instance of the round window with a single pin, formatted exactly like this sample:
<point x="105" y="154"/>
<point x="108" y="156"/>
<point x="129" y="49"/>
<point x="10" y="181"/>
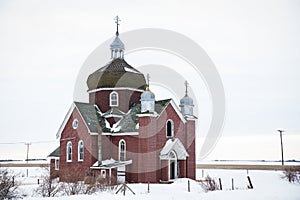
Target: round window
<point x="75" y="123"/>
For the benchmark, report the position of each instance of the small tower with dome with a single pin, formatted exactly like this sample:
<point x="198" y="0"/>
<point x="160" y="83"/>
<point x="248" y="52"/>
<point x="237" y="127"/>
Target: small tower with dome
<point x="186" y="103"/>
<point x="147" y="99"/>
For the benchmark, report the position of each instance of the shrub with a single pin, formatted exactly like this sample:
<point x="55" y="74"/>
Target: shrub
<point x="8" y="186"/>
<point x="48" y="187"/>
<point x="209" y="184"/>
<point x="292" y="175"/>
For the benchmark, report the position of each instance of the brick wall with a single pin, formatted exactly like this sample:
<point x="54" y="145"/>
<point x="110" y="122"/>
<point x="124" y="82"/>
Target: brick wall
<point x="126" y="99"/>
<point x="76" y="169"/>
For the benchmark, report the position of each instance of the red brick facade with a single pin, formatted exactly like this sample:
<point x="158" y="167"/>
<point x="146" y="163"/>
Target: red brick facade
<point x="143" y="147"/>
<point x="126" y="99"/>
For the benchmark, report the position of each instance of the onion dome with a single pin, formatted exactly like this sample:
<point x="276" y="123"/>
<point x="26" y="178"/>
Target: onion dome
<point x="117" y="73"/>
<point x="186" y="103"/>
<point x="147" y="95"/>
<point x="186" y="100"/>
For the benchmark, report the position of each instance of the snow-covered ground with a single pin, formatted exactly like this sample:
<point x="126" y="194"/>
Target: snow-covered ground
<point x="267" y="185"/>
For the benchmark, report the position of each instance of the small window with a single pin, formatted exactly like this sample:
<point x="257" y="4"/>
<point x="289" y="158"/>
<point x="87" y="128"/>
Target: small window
<point x="170" y="128"/>
<point x="103" y="173"/>
<point x="75" y="124"/>
<point x="113" y="99"/>
<point x="122" y="150"/>
<point x="56" y="164"/>
<point x="80" y="150"/>
<point x="69" y="152"/>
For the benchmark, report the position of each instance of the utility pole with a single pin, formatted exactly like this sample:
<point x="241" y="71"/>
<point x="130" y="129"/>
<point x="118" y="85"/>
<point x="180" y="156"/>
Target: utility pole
<point x="27" y="144"/>
<point x="280" y="132"/>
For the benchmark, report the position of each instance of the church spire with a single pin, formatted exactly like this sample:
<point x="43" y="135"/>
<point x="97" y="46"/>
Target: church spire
<point x="117" y="20"/>
<point x="186" y="87"/>
<point x="117" y="47"/>
<point x="148" y="80"/>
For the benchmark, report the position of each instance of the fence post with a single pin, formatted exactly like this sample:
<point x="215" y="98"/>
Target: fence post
<point x="148" y="187"/>
<point x="220" y="183"/>
<point x="189" y="187"/>
<point x="232" y="184"/>
<point x="250" y="183"/>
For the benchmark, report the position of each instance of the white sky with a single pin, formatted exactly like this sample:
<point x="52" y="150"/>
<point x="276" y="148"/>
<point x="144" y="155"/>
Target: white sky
<point x="255" y="46"/>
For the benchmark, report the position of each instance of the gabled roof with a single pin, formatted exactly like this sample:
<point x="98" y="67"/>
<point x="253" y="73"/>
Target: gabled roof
<point x="129" y="121"/>
<point x="55" y="153"/>
<point x="89" y="115"/>
<point x="176" y="146"/>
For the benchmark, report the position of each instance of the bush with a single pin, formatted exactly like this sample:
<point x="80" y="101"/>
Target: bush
<point x="8" y="186"/>
<point x="48" y="187"/>
<point x="209" y="184"/>
<point x="292" y="175"/>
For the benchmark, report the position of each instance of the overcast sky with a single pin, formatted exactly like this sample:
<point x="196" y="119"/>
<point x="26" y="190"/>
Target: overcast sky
<point x="255" y="46"/>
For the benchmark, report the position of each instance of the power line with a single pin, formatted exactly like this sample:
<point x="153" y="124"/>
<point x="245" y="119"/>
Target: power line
<point x="36" y="142"/>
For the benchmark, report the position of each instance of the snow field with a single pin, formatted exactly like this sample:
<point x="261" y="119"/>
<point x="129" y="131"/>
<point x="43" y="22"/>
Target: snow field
<point x="267" y="185"/>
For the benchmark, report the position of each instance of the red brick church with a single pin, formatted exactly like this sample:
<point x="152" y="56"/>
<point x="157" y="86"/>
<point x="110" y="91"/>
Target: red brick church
<point x="124" y="131"/>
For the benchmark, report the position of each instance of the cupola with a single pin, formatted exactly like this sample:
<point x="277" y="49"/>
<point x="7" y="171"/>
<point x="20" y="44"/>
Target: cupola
<point x="186" y="103"/>
<point x="147" y="99"/>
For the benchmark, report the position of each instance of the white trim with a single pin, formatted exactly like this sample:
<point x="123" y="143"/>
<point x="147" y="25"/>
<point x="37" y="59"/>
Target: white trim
<point x="148" y="115"/>
<point x="67" y="152"/>
<point x="110" y="99"/>
<point x="66" y="119"/>
<point x="176" y="110"/>
<point x="116" y="88"/>
<point x="120" y="134"/>
<point x="119" y="147"/>
<point x="75" y="123"/>
<point x="111" y="115"/>
<point x="78" y="150"/>
<point x="176" y="146"/>
<point x="117" y="164"/>
<point x="175" y="167"/>
<point x="56" y="163"/>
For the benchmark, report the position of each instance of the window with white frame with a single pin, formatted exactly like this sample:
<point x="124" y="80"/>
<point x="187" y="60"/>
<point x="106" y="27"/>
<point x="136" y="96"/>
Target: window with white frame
<point x="170" y="128"/>
<point x="113" y="99"/>
<point x="69" y="151"/>
<point x="56" y="164"/>
<point x="80" y="150"/>
<point x="103" y="173"/>
<point x="122" y="150"/>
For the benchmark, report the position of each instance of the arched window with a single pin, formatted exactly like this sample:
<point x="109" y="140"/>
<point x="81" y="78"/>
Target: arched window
<point x="122" y="150"/>
<point x="80" y="150"/>
<point x="69" y="152"/>
<point x="170" y="128"/>
<point x="113" y="99"/>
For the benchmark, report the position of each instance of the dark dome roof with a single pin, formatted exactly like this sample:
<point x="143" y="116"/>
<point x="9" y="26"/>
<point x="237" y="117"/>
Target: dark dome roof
<point x="117" y="73"/>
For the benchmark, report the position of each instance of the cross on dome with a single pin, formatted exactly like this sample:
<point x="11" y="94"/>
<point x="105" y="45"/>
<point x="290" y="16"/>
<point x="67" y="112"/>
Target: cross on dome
<point x="148" y="79"/>
<point x="186" y="87"/>
<point x="117" y="47"/>
<point x="117" y="20"/>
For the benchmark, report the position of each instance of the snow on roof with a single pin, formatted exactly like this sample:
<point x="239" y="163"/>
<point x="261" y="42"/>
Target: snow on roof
<point x="110" y="163"/>
<point x="176" y="146"/>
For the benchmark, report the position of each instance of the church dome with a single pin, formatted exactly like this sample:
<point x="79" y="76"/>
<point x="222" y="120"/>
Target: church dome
<point x="117" y="73"/>
<point x="186" y="100"/>
<point x="147" y="95"/>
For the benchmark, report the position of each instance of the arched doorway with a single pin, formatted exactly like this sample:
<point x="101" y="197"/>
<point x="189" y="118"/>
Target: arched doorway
<point x="173" y="165"/>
